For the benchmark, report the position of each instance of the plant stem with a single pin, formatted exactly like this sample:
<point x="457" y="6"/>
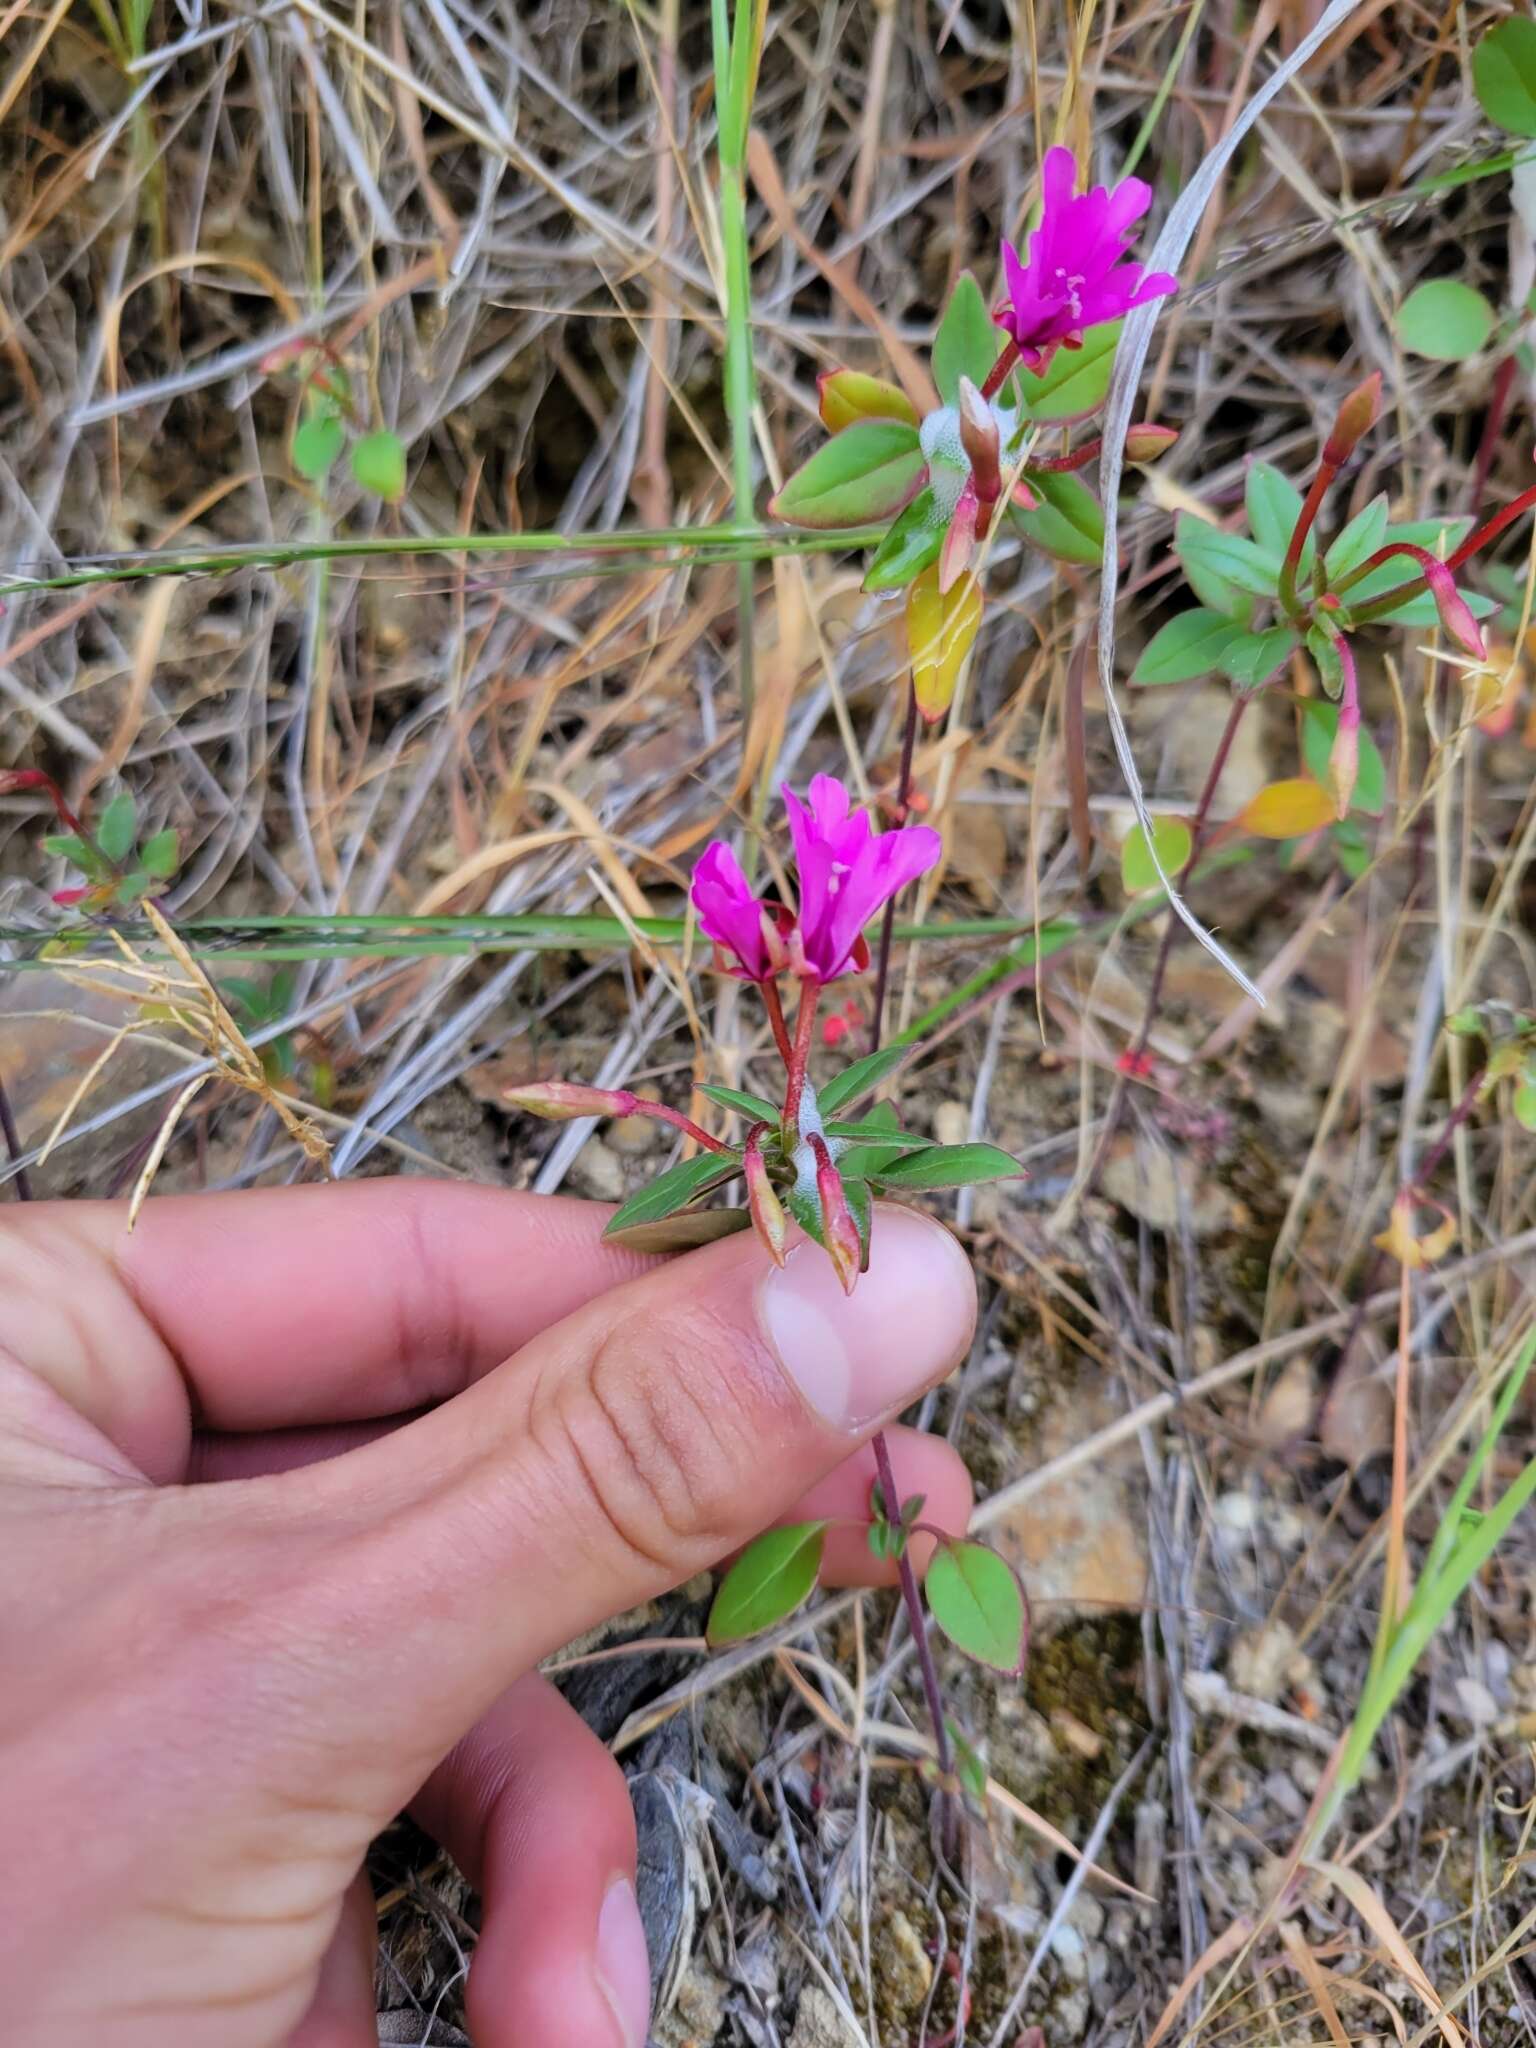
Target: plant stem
<point x="799" y="1059"/>
<point x="735" y="78"/>
<point x="679" y="1122"/>
<point x="775" y="1009"/>
<point x="888" y="921"/>
<point x="917" y="1622"/>
<point x="1304" y="521"/>
<point x="1001" y="371"/>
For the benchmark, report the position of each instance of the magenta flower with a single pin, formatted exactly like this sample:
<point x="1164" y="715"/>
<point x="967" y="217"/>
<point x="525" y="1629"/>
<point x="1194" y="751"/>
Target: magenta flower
<point x="1076" y="277"/>
<point x="732" y="916"/>
<point x="847" y="875"/>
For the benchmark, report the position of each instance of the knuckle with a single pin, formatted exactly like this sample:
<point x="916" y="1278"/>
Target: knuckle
<point x="659" y="1445"/>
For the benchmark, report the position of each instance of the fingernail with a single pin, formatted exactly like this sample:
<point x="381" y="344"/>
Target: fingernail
<point x="623" y="1967"/>
<point x="858" y="1357"/>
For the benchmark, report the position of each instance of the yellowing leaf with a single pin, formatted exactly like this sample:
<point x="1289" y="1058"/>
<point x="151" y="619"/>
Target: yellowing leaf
<point x="1288" y="810"/>
<point x="941" y="627"/>
<point x="849" y="395"/>
<point x="1410" y="1250"/>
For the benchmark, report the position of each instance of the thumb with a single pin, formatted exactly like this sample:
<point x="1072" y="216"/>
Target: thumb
<point x="617" y="1454"/>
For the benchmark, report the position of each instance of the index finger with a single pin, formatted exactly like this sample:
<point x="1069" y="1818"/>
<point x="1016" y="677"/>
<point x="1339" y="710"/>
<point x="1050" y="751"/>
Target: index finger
<point x="289" y="1306"/>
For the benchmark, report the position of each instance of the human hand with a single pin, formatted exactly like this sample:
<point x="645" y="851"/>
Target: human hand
<point x="215" y="1694"/>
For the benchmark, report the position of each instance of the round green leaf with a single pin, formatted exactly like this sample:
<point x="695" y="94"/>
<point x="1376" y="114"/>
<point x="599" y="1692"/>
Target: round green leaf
<point x="1445" y="320"/>
<point x="115" y="827"/>
<point x="1504" y="75"/>
<point x="1076" y="379"/>
<point x="868" y="471"/>
<point x="1190" y="645"/>
<point x="159" y="856"/>
<point x="979" y="1603"/>
<point x="769" y="1580"/>
<point x="1173" y="842"/>
<point x="316" y="444"/>
<point x="1068" y="521"/>
<point x="378" y="464"/>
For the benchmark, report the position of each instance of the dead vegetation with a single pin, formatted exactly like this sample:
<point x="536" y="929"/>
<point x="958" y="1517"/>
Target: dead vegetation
<point x="1193" y="1358"/>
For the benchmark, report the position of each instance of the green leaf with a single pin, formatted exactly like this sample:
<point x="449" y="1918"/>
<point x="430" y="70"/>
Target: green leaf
<point x="1075" y="380"/>
<point x="115" y="827"/>
<point x="951" y="1166"/>
<point x="1274" y="506"/>
<point x="967" y="344"/>
<point x="316" y="444"/>
<point x="1330" y="663"/>
<point x="862" y="1078"/>
<point x="378" y="464"/>
<point x="1190" y="645"/>
<point x="1319" y="724"/>
<point x="912" y="541"/>
<point x="1252" y="658"/>
<point x="870" y="1161"/>
<point x="161" y="855"/>
<point x="134" y="887"/>
<point x="1445" y="320"/>
<point x="78" y="852"/>
<point x="1504" y="75"/>
<point x="979" y="1603"/>
<point x="684" y="1232"/>
<point x="1068" y="522"/>
<point x="756" y="1109"/>
<point x="770" y="1579"/>
<point x="877" y="1132"/>
<point x="1350" y="849"/>
<point x="1173" y="841"/>
<point x="1230" y="557"/>
<point x="1524" y="1105"/>
<point x="868" y="471"/>
<point x="806" y="1210"/>
<point x="1358" y="541"/>
<point x="673" y="1190"/>
<point x="861" y="1208"/>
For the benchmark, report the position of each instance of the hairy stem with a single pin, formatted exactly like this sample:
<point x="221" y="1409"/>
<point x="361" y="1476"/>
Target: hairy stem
<point x="888" y="921"/>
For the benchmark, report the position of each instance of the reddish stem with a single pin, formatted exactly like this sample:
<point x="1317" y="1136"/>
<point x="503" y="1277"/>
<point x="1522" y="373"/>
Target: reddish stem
<point x="775" y="1009"/>
<point x="1491" y="528"/>
<point x="1001" y="371"/>
<point x="37" y="778"/>
<point x="799" y="1059"/>
<point x="888" y="922"/>
<point x="639" y="1106"/>
<point x="917" y="1622"/>
<point x="1326" y="472"/>
<point x="1493" y="426"/>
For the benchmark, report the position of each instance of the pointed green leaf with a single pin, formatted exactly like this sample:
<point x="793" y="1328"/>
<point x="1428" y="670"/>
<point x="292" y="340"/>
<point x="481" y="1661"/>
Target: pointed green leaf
<point x="1274" y="506"/>
<point x="861" y="1078"/>
<point x="1445" y="320"/>
<point x="134" y="887"/>
<point x="868" y="471"/>
<point x="159" y="856"/>
<point x="1171" y="837"/>
<point x="115" y="827"/>
<point x="1190" y="645"/>
<point x="1350" y="849"/>
<point x="979" y="1603"/>
<point x="1232" y="557"/>
<point x="378" y="464"/>
<point x="1319" y="724"/>
<point x="876" y="1131"/>
<point x="1068" y="522"/>
<point x="967" y="344"/>
<point x="316" y="444"/>
<point x="68" y="846"/>
<point x="911" y="542"/>
<point x="674" y="1189"/>
<point x="1358" y="541"/>
<point x="1250" y="659"/>
<point x="1076" y="379"/>
<point x="755" y="1108"/>
<point x="684" y="1232"/>
<point x="770" y="1579"/>
<point x="951" y="1166"/>
<point x="862" y="1209"/>
<point x="1504" y="75"/>
<point x="869" y="1161"/>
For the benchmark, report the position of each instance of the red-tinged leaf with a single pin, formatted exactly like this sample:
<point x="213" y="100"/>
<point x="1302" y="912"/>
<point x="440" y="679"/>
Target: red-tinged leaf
<point x="868" y="471"/>
<point x="848" y="395"/>
<point x="768" y="1581"/>
<point x="1288" y="810"/>
<point x="977" y="1600"/>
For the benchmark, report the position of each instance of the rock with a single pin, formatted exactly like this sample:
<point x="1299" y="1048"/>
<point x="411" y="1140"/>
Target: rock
<point x="819" y="2023"/>
<point x="905" y="1968"/>
<point x="1071" y="1953"/>
<point x="1079" y="1544"/>
<point x="1476" y="1702"/>
<point x="952" y="1123"/>
<point x="598" y="1171"/>
<point x="1157" y="1184"/>
<point x="697" y="2014"/>
<point x="1260" y="1660"/>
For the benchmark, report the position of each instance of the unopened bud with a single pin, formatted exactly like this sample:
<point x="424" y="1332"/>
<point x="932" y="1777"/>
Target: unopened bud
<point x="763" y="1204"/>
<point x="979" y="438"/>
<point x="1356" y="417"/>
<point x="1456" y="614"/>
<point x="838" y="1228"/>
<point x="560" y="1101"/>
<point x="1146" y="441"/>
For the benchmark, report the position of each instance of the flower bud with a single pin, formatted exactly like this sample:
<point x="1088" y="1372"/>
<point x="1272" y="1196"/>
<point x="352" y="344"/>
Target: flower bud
<point x="560" y="1101"/>
<point x="979" y="438"/>
<point x="767" y="1211"/>
<point x="838" y="1228"/>
<point x="959" y="539"/>
<point x="1456" y="614"/>
<point x="1357" y="415"/>
<point x="1146" y="441"/>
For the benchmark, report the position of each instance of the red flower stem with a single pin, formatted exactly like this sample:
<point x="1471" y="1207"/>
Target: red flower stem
<point x="1425" y="1172"/>
<point x="1491" y="528"/>
<point x="1390" y="599"/>
<point x="1326" y="472"/>
<point x="1064" y="464"/>
<point x="1493" y="426"/>
<point x="37" y="778"/>
<point x="679" y="1122"/>
<point x="1001" y="371"/>
<point x="775" y="1011"/>
<point x="888" y="922"/>
<point x="1171" y="927"/>
<point x="799" y="1059"/>
<point x="917" y="1622"/>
